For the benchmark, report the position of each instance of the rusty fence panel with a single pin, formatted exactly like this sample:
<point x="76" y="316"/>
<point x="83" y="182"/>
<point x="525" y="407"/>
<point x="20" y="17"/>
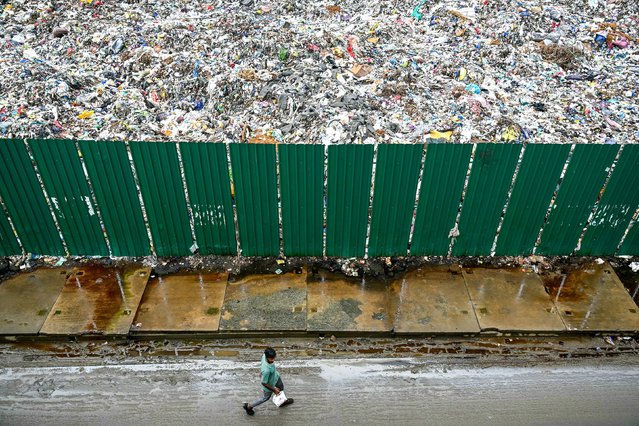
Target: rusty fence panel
<point x="25" y="202"/>
<point x="445" y="168"/>
<point x="349" y="179"/>
<point x="206" y="171"/>
<point x="488" y="185"/>
<point x="618" y="204"/>
<point x="61" y="170"/>
<point x="582" y="184"/>
<point x="110" y="173"/>
<point x="8" y="243"/>
<point x="158" y="172"/>
<point x="255" y="180"/>
<point x="302" y="189"/>
<point x="396" y="179"/>
<point x="534" y="187"/>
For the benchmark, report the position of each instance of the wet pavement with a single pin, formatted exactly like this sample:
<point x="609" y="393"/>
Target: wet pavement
<point x="508" y="300"/>
<point x="432" y="300"/>
<point x="98" y="300"/>
<point x="594" y="299"/>
<point x="340" y="304"/>
<point x="181" y="302"/>
<point x="265" y="302"/>
<point x="27" y="299"/>
<point x="121" y="301"/>
<point x="402" y="391"/>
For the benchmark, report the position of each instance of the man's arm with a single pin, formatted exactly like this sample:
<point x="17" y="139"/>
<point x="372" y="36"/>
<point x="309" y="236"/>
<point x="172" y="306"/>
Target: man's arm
<point x="273" y="389"/>
<point x="265" y="377"/>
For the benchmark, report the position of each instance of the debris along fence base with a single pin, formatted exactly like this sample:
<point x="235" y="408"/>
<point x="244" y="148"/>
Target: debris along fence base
<point x="65" y="197"/>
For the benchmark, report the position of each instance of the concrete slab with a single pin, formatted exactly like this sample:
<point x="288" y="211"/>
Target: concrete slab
<point x="26" y="299"/>
<point x="339" y="304"/>
<point x="182" y="303"/>
<point x="432" y="300"/>
<point x="97" y="300"/>
<point x="594" y="299"/>
<point x="511" y="300"/>
<point x="266" y="302"/>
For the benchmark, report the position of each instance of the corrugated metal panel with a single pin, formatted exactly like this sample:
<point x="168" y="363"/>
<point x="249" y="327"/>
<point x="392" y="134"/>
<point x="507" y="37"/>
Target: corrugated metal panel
<point x="490" y="179"/>
<point x="443" y="179"/>
<point x="396" y="179"/>
<point x="536" y="181"/>
<point x="61" y="170"/>
<point x="578" y="193"/>
<point x="618" y="203"/>
<point x="630" y="246"/>
<point x="114" y="187"/>
<point x="25" y="202"/>
<point x="207" y="179"/>
<point x="158" y="172"/>
<point x="8" y="243"/>
<point x="255" y="180"/>
<point x="302" y="190"/>
<point x="349" y="179"/>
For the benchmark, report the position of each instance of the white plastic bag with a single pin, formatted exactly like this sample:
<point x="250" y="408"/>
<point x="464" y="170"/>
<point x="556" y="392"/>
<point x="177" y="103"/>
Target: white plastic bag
<point x="279" y="399"/>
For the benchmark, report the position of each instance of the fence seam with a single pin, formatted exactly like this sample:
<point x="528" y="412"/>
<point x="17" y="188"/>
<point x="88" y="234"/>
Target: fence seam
<point x="138" y="189"/>
<point x="599" y="197"/>
<point x="98" y="212"/>
<point x="417" y="191"/>
<point x="553" y="199"/>
<point x="493" y="248"/>
<point x="47" y="198"/>
<point x="462" y="199"/>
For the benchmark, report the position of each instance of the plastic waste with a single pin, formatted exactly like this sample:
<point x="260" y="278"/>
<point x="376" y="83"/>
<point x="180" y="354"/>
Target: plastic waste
<point x="280" y="71"/>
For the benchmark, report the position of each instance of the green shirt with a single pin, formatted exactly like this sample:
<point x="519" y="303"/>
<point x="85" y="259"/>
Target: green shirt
<point x="269" y="374"/>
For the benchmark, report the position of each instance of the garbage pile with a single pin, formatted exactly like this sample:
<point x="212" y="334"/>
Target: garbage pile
<point x="560" y="71"/>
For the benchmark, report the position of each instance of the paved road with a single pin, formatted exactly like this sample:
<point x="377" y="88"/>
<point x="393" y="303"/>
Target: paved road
<point x="333" y="391"/>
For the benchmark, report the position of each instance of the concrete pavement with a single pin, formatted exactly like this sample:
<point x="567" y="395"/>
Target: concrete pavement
<point x="120" y="302"/>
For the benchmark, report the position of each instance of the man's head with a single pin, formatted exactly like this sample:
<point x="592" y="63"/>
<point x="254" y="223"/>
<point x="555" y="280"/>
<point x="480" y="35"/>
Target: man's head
<point x="270" y="355"/>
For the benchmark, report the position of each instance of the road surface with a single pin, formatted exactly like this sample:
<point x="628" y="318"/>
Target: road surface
<point x="327" y="391"/>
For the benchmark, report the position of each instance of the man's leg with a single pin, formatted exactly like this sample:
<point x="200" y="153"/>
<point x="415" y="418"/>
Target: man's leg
<point x="261" y="400"/>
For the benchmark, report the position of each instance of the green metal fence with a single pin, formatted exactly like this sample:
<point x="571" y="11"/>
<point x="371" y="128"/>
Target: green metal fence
<point x="101" y="198"/>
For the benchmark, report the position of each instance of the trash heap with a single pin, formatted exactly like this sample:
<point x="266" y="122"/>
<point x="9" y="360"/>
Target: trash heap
<point x="560" y="71"/>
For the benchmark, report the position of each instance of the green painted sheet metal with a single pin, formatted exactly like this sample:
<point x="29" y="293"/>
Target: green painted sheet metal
<point x="396" y="176"/>
<point x="585" y="176"/>
<point x="206" y="171"/>
<point x="490" y="179"/>
<point x="158" y="172"/>
<point x="630" y="246"/>
<point x="8" y="243"/>
<point x="255" y="180"/>
<point x="61" y="170"/>
<point x="349" y="178"/>
<point x="25" y="202"/>
<point x="536" y="182"/>
<point x="114" y="188"/>
<point x="445" y="168"/>
<point x="302" y="190"/>
<point x="616" y="208"/>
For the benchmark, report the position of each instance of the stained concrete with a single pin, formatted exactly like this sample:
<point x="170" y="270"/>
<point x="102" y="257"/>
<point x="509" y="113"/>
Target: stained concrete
<point x="594" y="299"/>
<point x="509" y="300"/>
<point x="97" y="300"/>
<point x="265" y="302"/>
<point x="26" y="299"/>
<point x="340" y="304"/>
<point x="182" y="303"/>
<point x="432" y="300"/>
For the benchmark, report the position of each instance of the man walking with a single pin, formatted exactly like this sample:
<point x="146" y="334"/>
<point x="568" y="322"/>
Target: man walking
<point x="271" y="382"/>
